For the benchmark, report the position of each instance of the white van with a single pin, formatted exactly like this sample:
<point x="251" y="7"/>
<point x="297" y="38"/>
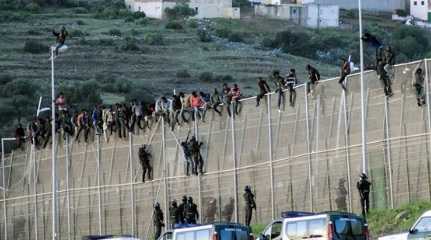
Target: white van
<point x="322" y="226"/>
<point x="216" y="231"/>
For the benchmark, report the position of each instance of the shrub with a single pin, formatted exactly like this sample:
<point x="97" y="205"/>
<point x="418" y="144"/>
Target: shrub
<point x="34" y="47"/>
<point x="411" y="41"/>
<point x="236" y="37"/>
<point x="223" y="32"/>
<point x="206" y="77"/>
<point x="115" y="32"/>
<point x="77" y="33"/>
<point x="80" y="22"/>
<point x="193" y="23"/>
<point x="174" y="25"/>
<point x="401" y="12"/>
<point x="268" y="43"/>
<point x="5" y="78"/>
<point x="33" y="32"/>
<point x="183" y="74"/>
<point x="153" y="39"/>
<point x="180" y="11"/>
<point x="134" y="32"/>
<point x="32" y="7"/>
<point x="106" y="42"/>
<point x="130" y="44"/>
<point x="80" y="10"/>
<point x="204" y="35"/>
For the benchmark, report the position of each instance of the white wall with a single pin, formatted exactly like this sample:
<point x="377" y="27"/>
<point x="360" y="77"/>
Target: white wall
<point x="152" y="9"/>
<point x="372" y="5"/>
<point x="418" y="10"/>
<point x="321" y="16"/>
<point x="277" y="11"/>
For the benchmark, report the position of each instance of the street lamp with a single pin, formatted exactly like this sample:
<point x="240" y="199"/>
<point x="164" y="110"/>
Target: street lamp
<point x="4" y="184"/>
<point x="363" y="120"/>
<point x="53" y="159"/>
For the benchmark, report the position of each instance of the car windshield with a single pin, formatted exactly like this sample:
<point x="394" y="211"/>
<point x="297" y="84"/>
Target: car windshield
<point x="346" y="226"/>
<point x="233" y="234"/>
<point x="424" y="225"/>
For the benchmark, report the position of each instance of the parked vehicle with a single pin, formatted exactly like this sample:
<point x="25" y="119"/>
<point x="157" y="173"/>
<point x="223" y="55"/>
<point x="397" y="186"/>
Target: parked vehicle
<point x="421" y="229"/>
<point x="109" y="237"/>
<point x="215" y="231"/>
<point x="318" y="226"/>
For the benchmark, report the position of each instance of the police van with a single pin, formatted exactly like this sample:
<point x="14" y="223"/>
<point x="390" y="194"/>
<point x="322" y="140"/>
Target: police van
<point x="316" y="226"/>
<point x="215" y="231"/>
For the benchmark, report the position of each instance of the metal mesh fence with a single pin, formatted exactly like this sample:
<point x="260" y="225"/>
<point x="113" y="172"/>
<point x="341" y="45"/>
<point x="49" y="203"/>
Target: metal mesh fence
<point x="301" y="155"/>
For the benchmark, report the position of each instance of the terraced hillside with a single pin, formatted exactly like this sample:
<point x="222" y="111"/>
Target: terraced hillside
<point x="293" y="159"/>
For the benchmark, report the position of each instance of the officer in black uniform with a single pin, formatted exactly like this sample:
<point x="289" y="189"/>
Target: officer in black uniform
<point x="198" y="163"/>
<point x="181" y="209"/>
<point x="174" y="217"/>
<point x="191" y="212"/>
<point x="144" y="159"/>
<point x="158" y="221"/>
<point x="340" y="201"/>
<point x="363" y="186"/>
<point x="250" y="204"/>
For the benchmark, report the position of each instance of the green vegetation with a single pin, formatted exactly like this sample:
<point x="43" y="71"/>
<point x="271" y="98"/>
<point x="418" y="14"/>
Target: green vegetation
<point x="180" y="11"/>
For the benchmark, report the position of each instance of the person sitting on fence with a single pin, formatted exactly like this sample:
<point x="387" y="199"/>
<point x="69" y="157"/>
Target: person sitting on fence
<point x="279" y="84"/>
<point x="216" y="102"/>
<point x="235" y="94"/>
<point x="263" y="90"/>
<point x="227" y="98"/>
<point x="96" y="117"/>
<point x="175" y="110"/>
<point x="418" y="83"/>
<point x="199" y="106"/>
<point x="313" y="77"/>
<point x="61" y="39"/>
<point x="186" y="109"/>
<point x="344" y="72"/>
<point x="291" y="82"/>
<point x="162" y="108"/>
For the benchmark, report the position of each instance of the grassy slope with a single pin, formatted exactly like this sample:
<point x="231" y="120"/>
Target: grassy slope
<point x="384" y="221"/>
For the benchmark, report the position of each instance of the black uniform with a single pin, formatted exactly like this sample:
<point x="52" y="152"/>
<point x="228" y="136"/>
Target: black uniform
<point x="388" y="61"/>
<point x="144" y="158"/>
<point x="263" y="88"/>
<point x="313" y="77"/>
<point x="191" y="212"/>
<point x="181" y="209"/>
<point x="363" y="186"/>
<point x="187" y="154"/>
<point x="174" y="214"/>
<point x="249" y="205"/>
<point x="345" y="71"/>
<point x="158" y="221"/>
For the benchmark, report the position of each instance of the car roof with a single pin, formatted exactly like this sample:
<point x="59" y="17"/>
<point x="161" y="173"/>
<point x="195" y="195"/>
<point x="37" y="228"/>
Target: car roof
<point x="209" y="226"/>
<point x="426" y="214"/>
<point x="317" y="216"/>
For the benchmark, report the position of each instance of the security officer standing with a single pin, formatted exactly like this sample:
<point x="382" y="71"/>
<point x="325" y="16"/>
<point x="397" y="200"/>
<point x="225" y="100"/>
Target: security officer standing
<point x="191" y="212"/>
<point x="144" y="159"/>
<point x="181" y="210"/>
<point x="158" y="220"/>
<point x="174" y="217"/>
<point x="363" y="186"/>
<point x="250" y="204"/>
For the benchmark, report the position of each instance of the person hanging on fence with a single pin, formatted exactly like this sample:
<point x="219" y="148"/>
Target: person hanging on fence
<point x="418" y="81"/>
<point x="144" y="158"/>
<point x="363" y="186"/>
<point x="198" y="163"/>
<point x="61" y="39"/>
<point x="19" y="136"/>
<point x="373" y="42"/>
<point x="263" y="90"/>
<point x="313" y="78"/>
<point x="250" y="204"/>
<point x="228" y="210"/>
<point x="388" y="68"/>
<point x="158" y="220"/>
<point x="191" y="212"/>
<point x="291" y="81"/>
<point x="344" y="72"/>
<point x="187" y="155"/>
<point x="340" y="199"/>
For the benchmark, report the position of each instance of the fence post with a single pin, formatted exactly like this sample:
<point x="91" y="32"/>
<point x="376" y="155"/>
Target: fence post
<point x="67" y="185"/>
<point x="235" y="175"/>
<point x="165" y="183"/>
<point x="199" y="177"/>
<point x="4" y="189"/>
<point x="310" y="180"/>
<point x="99" y="193"/>
<point x="388" y="151"/>
<point x="428" y="109"/>
<point x="132" y="188"/>
<point x="271" y="168"/>
<point x="346" y="145"/>
<point x="33" y="156"/>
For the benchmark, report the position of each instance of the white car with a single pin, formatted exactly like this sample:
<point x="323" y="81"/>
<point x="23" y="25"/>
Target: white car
<point x="420" y="230"/>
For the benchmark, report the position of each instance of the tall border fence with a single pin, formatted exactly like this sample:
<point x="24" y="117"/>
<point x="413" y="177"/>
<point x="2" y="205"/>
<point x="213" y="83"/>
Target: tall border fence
<point x="307" y="157"/>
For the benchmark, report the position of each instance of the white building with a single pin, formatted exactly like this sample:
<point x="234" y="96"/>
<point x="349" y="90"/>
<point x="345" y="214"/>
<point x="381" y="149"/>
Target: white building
<point x="303" y="12"/>
<point x="421" y="9"/>
<point x="204" y="8"/>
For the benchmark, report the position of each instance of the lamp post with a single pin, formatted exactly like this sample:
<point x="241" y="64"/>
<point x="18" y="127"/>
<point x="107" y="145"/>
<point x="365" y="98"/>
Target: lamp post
<point x="363" y="110"/>
<point x="4" y="184"/>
